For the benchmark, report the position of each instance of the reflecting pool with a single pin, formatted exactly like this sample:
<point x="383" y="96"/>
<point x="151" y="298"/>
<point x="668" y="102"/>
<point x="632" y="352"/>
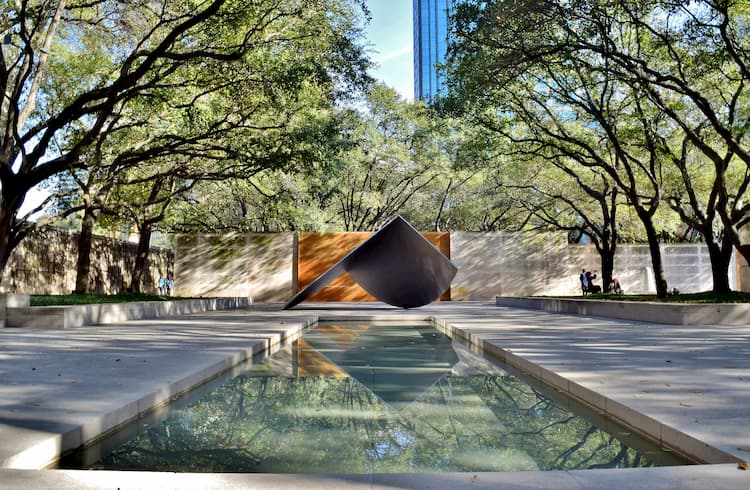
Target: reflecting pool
<point x="359" y="398"/>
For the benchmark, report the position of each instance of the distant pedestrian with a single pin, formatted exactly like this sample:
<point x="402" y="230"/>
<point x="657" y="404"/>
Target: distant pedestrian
<point x="170" y="286"/>
<point x="584" y="282"/>
<point x="161" y="284"/>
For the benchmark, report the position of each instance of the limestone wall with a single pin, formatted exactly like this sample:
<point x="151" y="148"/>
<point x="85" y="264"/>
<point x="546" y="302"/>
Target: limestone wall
<point x="743" y="274"/>
<point x="743" y="270"/>
<point x="687" y="267"/>
<point x="45" y="263"/>
<point x="510" y="264"/>
<point x="263" y="268"/>
<point x="519" y="264"/>
<point x="252" y="265"/>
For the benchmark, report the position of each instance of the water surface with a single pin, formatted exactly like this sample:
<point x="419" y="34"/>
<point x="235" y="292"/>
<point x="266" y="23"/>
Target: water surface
<point x="358" y="398"/>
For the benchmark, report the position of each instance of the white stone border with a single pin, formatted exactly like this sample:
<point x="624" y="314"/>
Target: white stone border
<point x="622" y="414"/>
<point x="643" y="311"/>
<point x="94" y="429"/>
<point x="107" y="313"/>
<point x="99" y="427"/>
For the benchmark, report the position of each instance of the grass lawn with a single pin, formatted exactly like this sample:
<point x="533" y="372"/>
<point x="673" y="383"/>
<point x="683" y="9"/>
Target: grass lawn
<point x="87" y="299"/>
<point x="704" y="297"/>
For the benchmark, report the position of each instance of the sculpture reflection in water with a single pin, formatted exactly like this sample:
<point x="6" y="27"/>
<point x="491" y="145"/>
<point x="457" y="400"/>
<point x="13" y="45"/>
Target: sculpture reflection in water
<point x="397" y="265"/>
<point x="361" y="399"/>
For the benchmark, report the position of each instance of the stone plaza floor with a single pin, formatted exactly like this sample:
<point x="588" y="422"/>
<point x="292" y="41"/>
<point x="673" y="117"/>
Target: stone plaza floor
<point x="59" y="388"/>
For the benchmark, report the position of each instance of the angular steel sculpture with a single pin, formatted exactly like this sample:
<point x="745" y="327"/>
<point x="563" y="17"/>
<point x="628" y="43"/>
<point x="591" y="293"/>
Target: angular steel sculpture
<point x="396" y="264"/>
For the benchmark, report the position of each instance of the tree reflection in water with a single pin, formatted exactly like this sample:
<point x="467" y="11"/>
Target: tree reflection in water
<point x="335" y="422"/>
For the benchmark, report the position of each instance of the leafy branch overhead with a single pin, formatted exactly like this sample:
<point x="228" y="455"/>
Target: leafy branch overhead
<point x="116" y="93"/>
<point x="649" y="94"/>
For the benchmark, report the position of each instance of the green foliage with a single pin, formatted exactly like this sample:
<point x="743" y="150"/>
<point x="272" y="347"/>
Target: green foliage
<point x="382" y="158"/>
<point x="647" y="94"/>
<point x="135" y="104"/>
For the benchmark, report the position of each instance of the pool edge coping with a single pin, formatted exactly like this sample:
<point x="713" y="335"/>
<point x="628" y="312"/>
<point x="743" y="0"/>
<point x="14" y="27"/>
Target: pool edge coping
<point x="664" y="434"/>
<point x="48" y="451"/>
<point x="716" y="314"/>
<point x="114" y="420"/>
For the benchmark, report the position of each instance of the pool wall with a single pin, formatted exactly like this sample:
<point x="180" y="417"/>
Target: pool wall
<point x="642" y="311"/>
<point x="50" y="448"/>
<point x="668" y="436"/>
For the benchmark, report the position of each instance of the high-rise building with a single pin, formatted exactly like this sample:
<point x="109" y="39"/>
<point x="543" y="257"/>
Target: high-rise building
<point x="430" y="45"/>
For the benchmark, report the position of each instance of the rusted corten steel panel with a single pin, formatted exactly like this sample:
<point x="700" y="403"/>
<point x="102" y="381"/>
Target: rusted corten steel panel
<point x="396" y="265"/>
<point x="318" y="252"/>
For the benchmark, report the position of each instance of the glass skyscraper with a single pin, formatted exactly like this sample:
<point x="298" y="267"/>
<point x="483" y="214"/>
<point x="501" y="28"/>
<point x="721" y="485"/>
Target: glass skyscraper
<point x="430" y="45"/>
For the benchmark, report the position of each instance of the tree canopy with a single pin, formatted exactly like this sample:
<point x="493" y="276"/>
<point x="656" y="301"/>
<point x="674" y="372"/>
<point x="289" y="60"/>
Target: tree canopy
<point x="127" y="95"/>
<point x="642" y="92"/>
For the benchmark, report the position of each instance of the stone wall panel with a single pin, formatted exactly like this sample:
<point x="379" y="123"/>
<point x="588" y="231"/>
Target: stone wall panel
<point x="272" y="267"/>
<point x="45" y="263"/>
<point x="251" y="265"/>
<point x="524" y="264"/>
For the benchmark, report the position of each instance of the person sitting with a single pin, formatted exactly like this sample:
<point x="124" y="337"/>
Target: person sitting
<point x="593" y="288"/>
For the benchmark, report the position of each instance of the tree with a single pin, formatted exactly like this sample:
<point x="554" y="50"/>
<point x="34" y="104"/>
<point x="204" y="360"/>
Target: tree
<point x="566" y="113"/>
<point x="391" y="160"/>
<point x="582" y="202"/>
<point x="692" y="60"/>
<point x="672" y="67"/>
<point x="382" y="157"/>
<point x="146" y="54"/>
<point x="694" y="196"/>
<point x="30" y="128"/>
<point x="236" y="108"/>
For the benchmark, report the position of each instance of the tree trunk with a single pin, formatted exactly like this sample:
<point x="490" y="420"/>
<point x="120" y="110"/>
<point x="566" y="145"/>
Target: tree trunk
<point x="140" y="269"/>
<point x="721" y="257"/>
<point x="730" y="221"/>
<point x="442" y="205"/>
<point x="607" y="257"/>
<point x="83" y="266"/>
<point x="742" y="248"/>
<point x="6" y="223"/>
<point x="656" y="260"/>
<point x="10" y="203"/>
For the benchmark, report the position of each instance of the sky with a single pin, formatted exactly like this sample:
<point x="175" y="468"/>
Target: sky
<point x="390" y="33"/>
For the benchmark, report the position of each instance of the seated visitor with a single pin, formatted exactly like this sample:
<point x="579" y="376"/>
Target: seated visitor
<point x="593" y="288"/>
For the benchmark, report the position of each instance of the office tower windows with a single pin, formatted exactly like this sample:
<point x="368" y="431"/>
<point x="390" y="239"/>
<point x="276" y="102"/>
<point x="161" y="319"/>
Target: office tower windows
<point x="430" y="45"/>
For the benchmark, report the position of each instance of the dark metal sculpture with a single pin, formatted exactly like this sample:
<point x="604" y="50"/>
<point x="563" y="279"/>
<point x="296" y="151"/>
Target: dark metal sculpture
<point x="396" y="264"/>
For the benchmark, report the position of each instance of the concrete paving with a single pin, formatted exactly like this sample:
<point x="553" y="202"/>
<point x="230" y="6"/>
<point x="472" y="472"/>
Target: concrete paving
<point x="62" y="387"/>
